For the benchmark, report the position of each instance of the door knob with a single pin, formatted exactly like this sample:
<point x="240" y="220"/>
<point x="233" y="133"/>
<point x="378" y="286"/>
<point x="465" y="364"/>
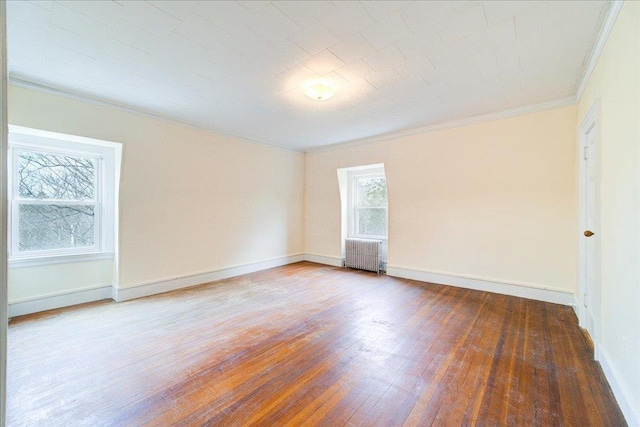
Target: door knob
<point x="588" y="233"/>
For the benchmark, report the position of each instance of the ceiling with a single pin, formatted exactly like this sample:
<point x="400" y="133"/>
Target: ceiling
<point x="240" y="67"/>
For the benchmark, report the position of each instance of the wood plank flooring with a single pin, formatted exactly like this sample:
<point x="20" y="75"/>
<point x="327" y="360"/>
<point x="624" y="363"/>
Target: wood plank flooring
<point x="307" y="344"/>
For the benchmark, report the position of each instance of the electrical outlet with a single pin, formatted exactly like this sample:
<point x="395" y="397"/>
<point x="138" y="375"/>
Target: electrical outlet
<point x="625" y="347"/>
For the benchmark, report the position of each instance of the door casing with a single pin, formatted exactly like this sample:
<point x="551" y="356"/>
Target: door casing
<point x="591" y="123"/>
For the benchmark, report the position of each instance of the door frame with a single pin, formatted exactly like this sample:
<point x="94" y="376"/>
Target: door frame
<point x="592" y="120"/>
<point x="4" y="318"/>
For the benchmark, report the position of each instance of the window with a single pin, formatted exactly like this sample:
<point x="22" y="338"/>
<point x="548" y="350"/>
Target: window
<point x="368" y="204"/>
<point x="61" y="197"/>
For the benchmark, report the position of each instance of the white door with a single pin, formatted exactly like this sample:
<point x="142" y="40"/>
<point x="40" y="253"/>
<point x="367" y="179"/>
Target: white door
<point x="591" y="297"/>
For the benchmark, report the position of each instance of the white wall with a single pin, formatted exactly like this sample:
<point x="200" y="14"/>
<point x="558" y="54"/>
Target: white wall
<point x="191" y="201"/>
<point x="28" y="283"/>
<point x="616" y="82"/>
<point x="495" y="201"/>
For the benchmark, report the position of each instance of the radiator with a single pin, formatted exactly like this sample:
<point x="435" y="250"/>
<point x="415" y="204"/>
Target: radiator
<point x="363" y="254"/>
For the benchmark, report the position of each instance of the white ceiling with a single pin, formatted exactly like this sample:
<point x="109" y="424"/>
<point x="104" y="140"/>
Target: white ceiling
<point x="239" y="67"/>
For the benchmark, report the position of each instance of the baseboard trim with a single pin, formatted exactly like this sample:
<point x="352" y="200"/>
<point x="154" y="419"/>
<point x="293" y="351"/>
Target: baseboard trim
<point x="323" y="259"/>
<point x="514" y="289"/>
<point x="59" y="300"/>
<point x="630" y="411"/>
<point x="171" y="284"/>
<point x="575" y="308"/>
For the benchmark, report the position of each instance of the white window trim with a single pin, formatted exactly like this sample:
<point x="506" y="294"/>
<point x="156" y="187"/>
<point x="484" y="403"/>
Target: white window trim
<point x="106" y="153"/>
<point x="352" y="176"/>
<point x="25" y="262"/>
<point x="98" y="201"/>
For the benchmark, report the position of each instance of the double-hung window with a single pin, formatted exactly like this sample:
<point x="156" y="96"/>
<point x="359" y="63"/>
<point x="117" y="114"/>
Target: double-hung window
<point x="61" y="196"/>
<point x="368" y="204"/>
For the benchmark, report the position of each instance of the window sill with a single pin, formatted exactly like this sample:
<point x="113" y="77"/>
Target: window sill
<point x="25" y="262"/>
<point x="382" y="239"/>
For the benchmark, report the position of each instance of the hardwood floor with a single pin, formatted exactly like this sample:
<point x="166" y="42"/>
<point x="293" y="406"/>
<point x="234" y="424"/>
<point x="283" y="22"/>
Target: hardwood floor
<point x="307" y="344"/>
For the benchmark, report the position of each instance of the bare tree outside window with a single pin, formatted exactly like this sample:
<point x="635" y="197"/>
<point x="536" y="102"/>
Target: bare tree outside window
<point x="371" y="206"/>
<point x="56" y="198"/>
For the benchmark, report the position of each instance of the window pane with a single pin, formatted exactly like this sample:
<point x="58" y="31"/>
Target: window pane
<point x="55" y="227"/>
<point x="371" y="191"/>
<point x="55" y="176"/>
<point x="372" y="221"/>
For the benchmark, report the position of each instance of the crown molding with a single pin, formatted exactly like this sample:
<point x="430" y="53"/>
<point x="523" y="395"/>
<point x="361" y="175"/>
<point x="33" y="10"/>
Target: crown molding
<point x="482" y="118"/>
<point x="15" y="81"/>
<point x="606" y="29"/>
<point x="367" y="140"/>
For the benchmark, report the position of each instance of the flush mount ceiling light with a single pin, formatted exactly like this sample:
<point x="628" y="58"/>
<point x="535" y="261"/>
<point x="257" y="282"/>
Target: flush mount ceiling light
<point x="320" y="90"/>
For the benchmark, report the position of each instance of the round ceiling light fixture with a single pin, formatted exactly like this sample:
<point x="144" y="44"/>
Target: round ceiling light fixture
<point x="320" y="90"/>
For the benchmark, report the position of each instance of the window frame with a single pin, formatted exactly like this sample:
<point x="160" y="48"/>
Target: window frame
<point x="25" y="139"/>
<point x="352" y="196"/>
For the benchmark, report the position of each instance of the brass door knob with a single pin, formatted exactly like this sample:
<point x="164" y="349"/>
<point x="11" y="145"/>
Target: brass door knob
<point x="588" y="233"/>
